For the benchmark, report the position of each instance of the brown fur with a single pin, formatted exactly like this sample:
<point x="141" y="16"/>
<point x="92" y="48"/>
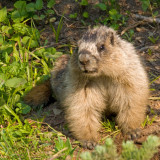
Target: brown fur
<point x="105" y="75"/>
<point x="39" y="95"/>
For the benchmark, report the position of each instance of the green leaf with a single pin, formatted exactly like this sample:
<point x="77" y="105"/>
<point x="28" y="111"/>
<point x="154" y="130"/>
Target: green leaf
<point x="2" y="101"/>
<point x="14" y="68"/>
<point x="84" y="2"/>
<point x="42" y="16"/>
<point x="34" y="44"/>
<point x="50" y="11"/>
<point x="145" y="4"/>
<point x="102" y="6"/>
<point x="15" y="82"/>
<point x="20" y="5"/>
<point x="155" y="13"/>
<point x="6" y="47"/>
<point x="39" y="4"/>
<point x="23" y="108"/>
<point x="85" y="14"/>
<point x="15" y="37"/>
<point x="7" y="29"/>
<point x="51" y="3"/>
<point x="51" y="50"/>
<point x="1" y="39"/>
<point x="53" y="56"/>
<point x="114" y="14"/>
<point x="18" y="16"/>
<point x="3" y="14"/>
<point x="39" y="52"/>
<point x="36" y="17"/>
<point x="30" y="7"/>
<point x="21" y="13"/>
<point x="74" y="15"/>
<point x="115" y="26"/>
<point x="25" y="40"/>
<point x="21" y="28"/>
<point x="3" y="78"/>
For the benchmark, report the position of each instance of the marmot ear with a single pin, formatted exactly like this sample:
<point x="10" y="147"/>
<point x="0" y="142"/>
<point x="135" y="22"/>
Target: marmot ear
<point x="111" y="38"/>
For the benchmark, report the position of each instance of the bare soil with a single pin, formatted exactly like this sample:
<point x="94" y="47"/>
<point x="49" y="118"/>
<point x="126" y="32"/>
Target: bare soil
<point x="72" y="31"/>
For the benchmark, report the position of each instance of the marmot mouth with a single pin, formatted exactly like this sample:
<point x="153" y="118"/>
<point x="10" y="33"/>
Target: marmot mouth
<point x="88" y="70"/>
<point x="92" y="71"/>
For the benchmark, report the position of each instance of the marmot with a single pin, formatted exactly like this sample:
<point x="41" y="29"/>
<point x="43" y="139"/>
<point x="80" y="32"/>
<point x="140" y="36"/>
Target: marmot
<point x="105" y="75"/>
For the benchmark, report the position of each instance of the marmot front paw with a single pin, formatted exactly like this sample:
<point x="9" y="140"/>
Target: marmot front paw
<point x="88" y="144"/>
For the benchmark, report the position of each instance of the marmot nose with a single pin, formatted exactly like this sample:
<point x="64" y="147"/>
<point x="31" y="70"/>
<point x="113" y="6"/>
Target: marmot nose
<point x="84" y="57"/>
<point x="83" y="60"/>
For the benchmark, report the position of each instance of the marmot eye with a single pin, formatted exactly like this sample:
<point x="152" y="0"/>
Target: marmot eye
<point x="102" y="47"/>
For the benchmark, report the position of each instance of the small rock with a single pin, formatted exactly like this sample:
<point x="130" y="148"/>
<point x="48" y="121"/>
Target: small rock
<point x="57" y="111"/>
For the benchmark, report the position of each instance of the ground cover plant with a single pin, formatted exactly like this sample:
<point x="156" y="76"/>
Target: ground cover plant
<point x="32" y="35"/>
<point x="129" y="151"/>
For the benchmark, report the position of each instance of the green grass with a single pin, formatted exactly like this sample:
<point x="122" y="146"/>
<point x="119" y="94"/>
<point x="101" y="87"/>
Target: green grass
<point x="109" y="125"/>
<point x="31" y="142"/>
<point x="148" y="120"/>
<point x="57" y="31"/>
<point x="23" y="63"/>
<point x="110" y="128"/>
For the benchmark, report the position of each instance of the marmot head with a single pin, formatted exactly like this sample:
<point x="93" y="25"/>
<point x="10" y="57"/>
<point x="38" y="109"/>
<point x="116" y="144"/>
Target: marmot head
<point x="100" y="52"/>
